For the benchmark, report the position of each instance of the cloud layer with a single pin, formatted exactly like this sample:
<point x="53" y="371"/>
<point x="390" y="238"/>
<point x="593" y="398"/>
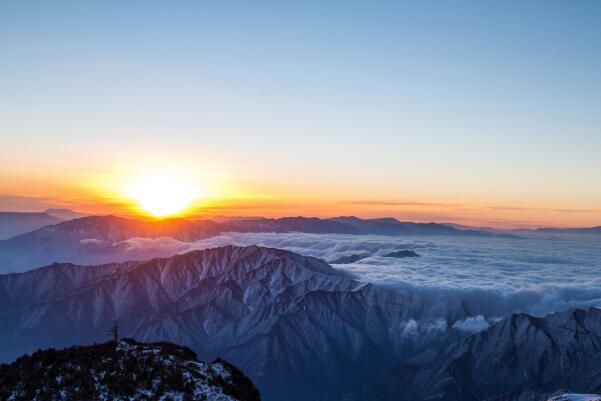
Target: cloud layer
<point x="492" y="276"/>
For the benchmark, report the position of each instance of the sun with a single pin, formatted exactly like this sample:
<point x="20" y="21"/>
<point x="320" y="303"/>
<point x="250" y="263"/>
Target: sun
<point x="162" y="195"/>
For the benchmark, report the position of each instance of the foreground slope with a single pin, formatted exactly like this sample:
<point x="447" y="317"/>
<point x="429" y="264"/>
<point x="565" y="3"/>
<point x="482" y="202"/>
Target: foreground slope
<point x="127" y="370"/>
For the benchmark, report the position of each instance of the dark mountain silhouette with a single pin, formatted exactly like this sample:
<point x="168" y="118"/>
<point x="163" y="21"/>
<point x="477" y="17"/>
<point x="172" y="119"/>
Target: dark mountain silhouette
<point x="580" y="230"/>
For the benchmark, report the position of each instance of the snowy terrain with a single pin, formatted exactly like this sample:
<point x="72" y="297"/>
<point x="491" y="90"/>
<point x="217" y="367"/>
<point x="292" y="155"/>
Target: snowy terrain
<point x="126" y="370"/>
<point x="577" y="397"/>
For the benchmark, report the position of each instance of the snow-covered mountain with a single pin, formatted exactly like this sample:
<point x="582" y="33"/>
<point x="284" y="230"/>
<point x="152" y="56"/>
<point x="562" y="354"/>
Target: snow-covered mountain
<point x="294" y="324"/>
<point x="303" y="330"/>
<point x="125" y="371"/>
<point x="517" y="359"/>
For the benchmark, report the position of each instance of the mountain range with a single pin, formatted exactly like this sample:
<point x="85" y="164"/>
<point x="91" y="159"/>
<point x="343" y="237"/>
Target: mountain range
<point x="579" y="230"/>
<point x="103" y="239"/>
<point x="302" y="330"/>
<point x="299" y="328"/>
<point x="521" y="357"/>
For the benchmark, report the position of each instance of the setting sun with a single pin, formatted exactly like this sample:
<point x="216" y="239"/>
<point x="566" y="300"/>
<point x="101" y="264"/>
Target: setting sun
<point x="163" y="195"/>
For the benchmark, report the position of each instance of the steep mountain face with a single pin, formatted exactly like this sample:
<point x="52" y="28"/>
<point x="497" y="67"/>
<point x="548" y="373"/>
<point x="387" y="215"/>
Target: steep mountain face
<point x="16" y="223"/>
<point x="126" y="370"/>
<point x="518" y="358"/>
<point x="299" y="328"/>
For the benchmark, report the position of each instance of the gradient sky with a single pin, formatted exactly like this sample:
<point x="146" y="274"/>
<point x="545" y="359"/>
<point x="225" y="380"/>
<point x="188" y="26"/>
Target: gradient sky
<point x="475" y="112"/>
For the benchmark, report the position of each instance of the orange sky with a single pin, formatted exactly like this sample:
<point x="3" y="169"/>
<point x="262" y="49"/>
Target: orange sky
<point x="222" y="194"/>
<point x="482" y="115"/>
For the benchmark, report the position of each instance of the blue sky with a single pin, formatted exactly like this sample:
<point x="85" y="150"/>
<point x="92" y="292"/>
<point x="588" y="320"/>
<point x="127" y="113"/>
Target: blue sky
<point x="489" y="103"/>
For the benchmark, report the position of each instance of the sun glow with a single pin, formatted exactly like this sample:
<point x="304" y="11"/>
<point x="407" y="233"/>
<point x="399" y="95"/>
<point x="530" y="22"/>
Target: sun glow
<point x="162" y="195"/>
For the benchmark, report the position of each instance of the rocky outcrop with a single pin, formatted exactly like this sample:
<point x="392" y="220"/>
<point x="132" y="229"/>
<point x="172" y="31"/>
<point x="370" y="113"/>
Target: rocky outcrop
<point x="124" y="370"/>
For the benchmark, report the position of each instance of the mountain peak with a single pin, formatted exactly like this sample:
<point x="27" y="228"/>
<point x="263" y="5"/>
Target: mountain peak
<point x="124" y="370"/>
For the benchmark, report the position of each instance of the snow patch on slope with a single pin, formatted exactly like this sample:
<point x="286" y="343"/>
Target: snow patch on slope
<point x="577" y="397"/>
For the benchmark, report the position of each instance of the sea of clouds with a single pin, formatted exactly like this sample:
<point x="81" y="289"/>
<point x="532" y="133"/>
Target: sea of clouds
<point x="492" y="277"/>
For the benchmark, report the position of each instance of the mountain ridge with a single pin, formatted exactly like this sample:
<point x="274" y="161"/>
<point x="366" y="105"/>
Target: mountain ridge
<point x="517" y="356"/>
<point x="95" y="240"/>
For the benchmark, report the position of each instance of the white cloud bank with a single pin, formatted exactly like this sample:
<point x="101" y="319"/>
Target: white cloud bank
<point x="491" y="276"/>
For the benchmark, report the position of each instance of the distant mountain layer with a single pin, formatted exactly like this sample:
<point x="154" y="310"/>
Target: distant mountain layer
<point x="90" y="240"/>
<point x="85" y="240"/>
<point x="126" y="370"/>
<point x="65" y="214"/>
<point x="16" y="223"/>
<point x="582" y="230"/>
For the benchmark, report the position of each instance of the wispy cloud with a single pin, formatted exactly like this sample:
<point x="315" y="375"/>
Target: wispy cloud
<point x="400" y="203"/>
<point x="526" y="209"/>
